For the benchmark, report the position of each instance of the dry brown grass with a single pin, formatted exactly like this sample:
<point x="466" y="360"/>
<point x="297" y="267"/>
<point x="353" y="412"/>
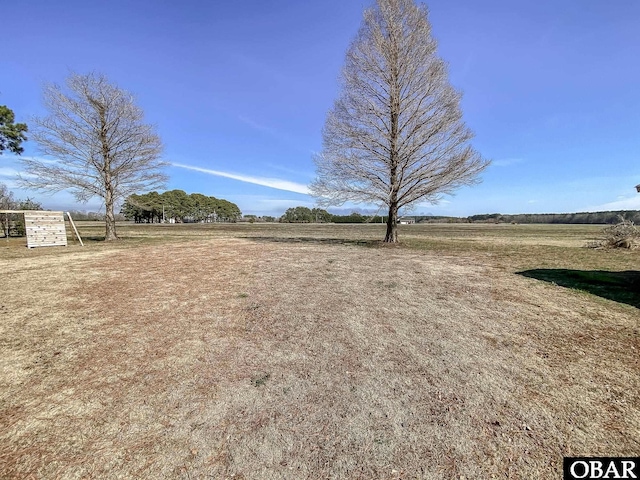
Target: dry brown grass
<point x="254" y="358"/>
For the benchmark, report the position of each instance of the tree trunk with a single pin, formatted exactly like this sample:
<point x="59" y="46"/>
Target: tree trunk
<point x="392" y="225"/>
<point x="110" y="219"/>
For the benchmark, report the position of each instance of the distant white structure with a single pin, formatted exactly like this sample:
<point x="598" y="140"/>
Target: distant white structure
<point x="406" y="220"/>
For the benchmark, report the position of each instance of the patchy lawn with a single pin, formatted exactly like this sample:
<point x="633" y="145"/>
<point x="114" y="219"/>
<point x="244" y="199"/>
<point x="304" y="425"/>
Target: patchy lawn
<point x="262" y="358"/>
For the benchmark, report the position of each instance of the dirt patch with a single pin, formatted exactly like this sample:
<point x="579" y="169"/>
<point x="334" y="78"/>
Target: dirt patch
<point x="253" y="359"/>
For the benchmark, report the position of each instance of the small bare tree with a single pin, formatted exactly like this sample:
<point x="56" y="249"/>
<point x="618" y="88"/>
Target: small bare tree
<point x="98" y="143"/>
<point x="395" y="135"/>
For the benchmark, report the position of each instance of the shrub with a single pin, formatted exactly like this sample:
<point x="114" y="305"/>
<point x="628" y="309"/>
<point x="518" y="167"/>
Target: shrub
<point x="620" y="235"/>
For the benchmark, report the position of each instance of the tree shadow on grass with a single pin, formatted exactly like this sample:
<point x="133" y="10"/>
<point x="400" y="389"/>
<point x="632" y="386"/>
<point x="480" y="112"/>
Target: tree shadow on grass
<point x="622" y="287"/>
<point x="92" y="238"/>
<point x="320" y="241"/>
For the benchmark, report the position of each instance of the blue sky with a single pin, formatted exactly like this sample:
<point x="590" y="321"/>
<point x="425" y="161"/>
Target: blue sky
<point x="239" y="91"/>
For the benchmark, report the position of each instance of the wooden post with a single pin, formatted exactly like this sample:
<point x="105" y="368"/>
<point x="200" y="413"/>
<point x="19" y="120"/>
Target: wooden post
<point x="75" y="229"/>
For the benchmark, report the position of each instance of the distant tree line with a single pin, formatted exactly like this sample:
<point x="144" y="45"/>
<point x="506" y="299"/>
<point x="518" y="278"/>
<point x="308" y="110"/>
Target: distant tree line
<point x="318" y="215"/>
<point x="176" y="206"/>
<point x="306" y="215"/>
<point x="608" y="217"/>
<point x="257" y="219"/>
<point x="355" y="217"/>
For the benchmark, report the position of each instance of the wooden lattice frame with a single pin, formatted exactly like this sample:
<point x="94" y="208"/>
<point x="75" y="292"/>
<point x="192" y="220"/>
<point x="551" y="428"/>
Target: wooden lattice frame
<point x="45" y="228"/>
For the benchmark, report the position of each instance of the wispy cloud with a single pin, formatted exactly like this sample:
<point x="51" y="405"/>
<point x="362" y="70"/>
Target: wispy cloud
<point x="259" y="68"/>
<point x="506" y="162"/>
<point x="281" y="136"/>
<point x="12" y="172"/>
<point x="8" y="172"/>
<point x="17" y="158"/>
<point x="468" y="64"/>
<point x="441" y="203"/>
<point x="298" y="173"/>
<point x="264" y="181"/>
<point x="256" y="125"/>
<point x="9" y="177"/>
<point x="629" y="203"/>
<point x="264" y="205"/>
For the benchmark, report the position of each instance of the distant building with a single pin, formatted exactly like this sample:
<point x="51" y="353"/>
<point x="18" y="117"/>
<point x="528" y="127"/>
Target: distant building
<point x="406" y="220"/>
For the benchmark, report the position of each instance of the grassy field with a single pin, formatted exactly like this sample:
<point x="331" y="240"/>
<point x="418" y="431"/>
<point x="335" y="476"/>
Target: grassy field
<point x="314" y="351"/>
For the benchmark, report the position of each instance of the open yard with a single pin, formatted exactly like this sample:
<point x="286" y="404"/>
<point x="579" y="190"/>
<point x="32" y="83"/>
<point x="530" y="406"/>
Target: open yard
<point x="313" y="351"/>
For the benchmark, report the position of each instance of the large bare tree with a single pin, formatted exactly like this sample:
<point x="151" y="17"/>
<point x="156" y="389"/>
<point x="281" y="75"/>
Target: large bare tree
<point x="395" y="135"/>
<point x="98" y="143"/>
